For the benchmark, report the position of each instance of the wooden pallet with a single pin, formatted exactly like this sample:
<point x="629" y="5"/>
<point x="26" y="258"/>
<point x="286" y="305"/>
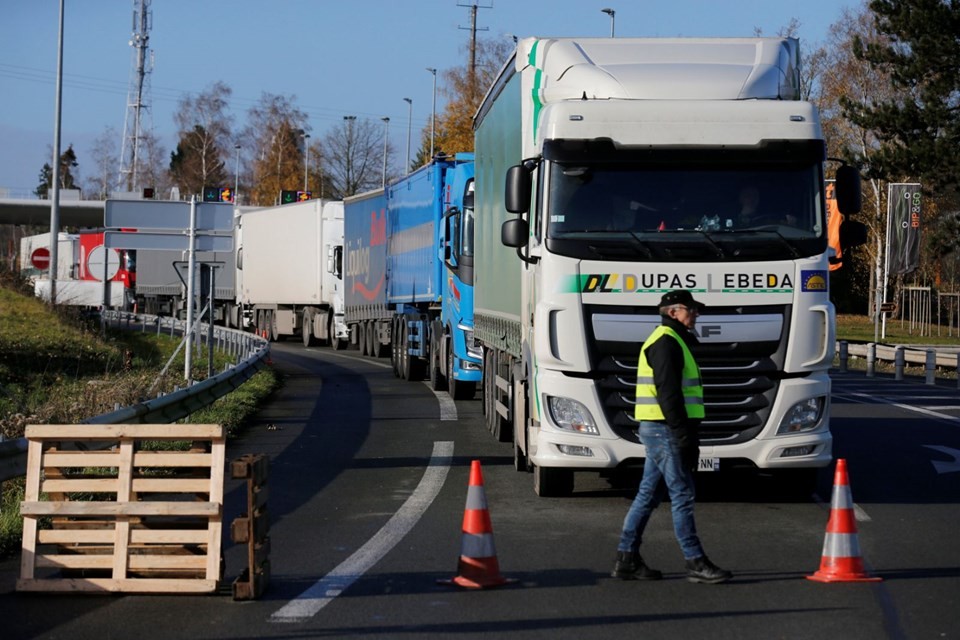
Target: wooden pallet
<point x="150" y="522"/>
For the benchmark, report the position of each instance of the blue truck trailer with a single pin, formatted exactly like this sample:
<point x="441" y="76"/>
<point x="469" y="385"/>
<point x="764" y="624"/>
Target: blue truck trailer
<point x="409" y="275"/>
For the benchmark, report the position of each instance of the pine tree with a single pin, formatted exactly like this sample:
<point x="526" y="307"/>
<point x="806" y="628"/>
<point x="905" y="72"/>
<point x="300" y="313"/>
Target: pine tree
<point x="919" y="127"/>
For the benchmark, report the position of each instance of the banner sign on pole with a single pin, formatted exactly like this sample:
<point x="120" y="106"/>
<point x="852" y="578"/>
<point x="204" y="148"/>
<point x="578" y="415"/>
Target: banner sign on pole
<point x="903" y="228"/>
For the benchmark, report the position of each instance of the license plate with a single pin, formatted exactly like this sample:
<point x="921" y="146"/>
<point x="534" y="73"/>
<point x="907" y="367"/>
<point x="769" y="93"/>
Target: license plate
<point x="708" y="464"/>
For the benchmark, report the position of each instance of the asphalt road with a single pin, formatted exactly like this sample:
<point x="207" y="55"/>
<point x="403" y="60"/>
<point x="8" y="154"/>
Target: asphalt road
<point x="368" y="483"/>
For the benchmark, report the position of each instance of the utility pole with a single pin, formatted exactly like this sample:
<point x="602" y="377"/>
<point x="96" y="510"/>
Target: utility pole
<point x="473" y="39"/>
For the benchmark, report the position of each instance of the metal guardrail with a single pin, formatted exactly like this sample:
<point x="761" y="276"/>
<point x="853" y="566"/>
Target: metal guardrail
<point x="250" y="351"/>
<point x="900" y="356"/>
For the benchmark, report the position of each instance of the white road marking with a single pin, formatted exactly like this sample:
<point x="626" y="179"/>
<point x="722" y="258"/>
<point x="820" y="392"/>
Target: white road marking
<point x="448" y="408"/>
<point x="308" y="603"/>
<point x="908" y="407"/>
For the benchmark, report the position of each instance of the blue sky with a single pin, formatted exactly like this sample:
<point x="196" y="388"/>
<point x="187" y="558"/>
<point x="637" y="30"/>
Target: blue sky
<point x="337" y="57"/>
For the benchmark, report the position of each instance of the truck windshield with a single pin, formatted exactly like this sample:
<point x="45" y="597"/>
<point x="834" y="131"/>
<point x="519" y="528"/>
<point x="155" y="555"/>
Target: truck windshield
<point x="691" y="212"/>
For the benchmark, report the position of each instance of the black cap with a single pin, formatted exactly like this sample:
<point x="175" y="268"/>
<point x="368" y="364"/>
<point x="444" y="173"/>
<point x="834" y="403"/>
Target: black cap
<point x="680" y="296"/>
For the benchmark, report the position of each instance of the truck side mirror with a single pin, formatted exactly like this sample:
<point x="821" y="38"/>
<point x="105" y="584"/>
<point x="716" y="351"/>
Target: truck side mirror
<point x="848" y="190"/>
<point x="335" y="260"/>
<point x="514" y="233"/>
<point x="852" y="234"/>
<point x="516" y="197"/>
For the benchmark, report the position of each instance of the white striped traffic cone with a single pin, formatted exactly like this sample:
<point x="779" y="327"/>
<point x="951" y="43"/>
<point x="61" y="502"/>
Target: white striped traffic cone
<point x="478" y="567"/>
<point x="841" y="560"/>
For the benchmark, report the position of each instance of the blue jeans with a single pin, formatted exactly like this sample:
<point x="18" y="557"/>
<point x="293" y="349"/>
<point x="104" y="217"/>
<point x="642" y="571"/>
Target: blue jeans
<point x="663" y="462"/>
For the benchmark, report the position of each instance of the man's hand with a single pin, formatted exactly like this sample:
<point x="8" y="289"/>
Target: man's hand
<point x="690" y="457"/>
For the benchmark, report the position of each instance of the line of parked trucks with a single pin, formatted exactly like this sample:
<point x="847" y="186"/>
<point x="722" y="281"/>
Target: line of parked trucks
<point x="605" y="173"/>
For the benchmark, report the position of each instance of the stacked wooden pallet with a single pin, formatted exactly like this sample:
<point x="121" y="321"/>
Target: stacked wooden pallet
<point x="123" y="518"/>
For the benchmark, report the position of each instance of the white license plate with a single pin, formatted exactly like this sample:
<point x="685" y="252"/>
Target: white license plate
<point x="708" y="464"/>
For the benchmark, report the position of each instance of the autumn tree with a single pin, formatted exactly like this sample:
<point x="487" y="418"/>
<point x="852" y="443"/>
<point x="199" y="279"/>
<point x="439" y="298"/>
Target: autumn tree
<point x="204" y="131"/>
<point x="68" y="162"/>
<point x="352" y="157"/>
<point x="464" y="88"/>
<point x="274" y="137"/>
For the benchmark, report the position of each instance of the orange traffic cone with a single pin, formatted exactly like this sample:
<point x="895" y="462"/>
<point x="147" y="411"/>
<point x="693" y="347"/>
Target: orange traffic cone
<point x="478" y="567"/>
<point x="841" y="561"/>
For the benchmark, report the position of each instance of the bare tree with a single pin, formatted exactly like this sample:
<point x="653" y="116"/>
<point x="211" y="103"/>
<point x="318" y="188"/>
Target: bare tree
<point x="844" y="78"/>
<point x="204" y="132"/>
<point x="353" y="157"/>
<point x="104" y="157"/>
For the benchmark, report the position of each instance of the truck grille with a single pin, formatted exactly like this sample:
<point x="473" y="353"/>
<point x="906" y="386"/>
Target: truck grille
<point x="740" y="384"/>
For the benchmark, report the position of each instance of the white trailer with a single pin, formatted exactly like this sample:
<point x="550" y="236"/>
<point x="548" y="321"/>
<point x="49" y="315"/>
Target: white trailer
<point x="289" y="271"/>
<point x="576" y="133"/>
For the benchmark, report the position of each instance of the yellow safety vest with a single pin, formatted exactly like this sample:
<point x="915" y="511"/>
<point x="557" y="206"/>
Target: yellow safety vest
<point x="647" y="407"/>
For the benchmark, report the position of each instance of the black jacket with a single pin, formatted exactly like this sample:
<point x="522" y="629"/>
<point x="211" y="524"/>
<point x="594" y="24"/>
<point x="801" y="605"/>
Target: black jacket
<point x="666" y="359"/>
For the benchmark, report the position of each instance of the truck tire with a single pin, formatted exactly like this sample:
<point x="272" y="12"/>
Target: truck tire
<point x="306" y="330"/>
<point x="395" y="347"/>
<point x="373" y="344"/>
<point x="275" y="329"/>
<point x="549" y="482"/>
<point x="437" y="381"/>
<point x="458" y="390"/>
<point x="362" y="343"/>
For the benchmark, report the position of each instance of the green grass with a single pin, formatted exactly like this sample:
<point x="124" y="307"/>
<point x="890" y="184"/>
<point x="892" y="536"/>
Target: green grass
<point x="861" y="329"/>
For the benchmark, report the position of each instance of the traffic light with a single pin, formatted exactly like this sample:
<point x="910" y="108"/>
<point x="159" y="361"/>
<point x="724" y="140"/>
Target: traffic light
<point x="211" y="194"/>
<point x="303" y="196"/>
<point x="148" y="193"/>
<point x="286" y="197"/>
<point x="226" y="194"/>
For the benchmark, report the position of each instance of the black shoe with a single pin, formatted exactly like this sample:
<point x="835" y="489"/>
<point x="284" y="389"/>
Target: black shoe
<point x="630" y="566"/>
<point x="702" y="570"/>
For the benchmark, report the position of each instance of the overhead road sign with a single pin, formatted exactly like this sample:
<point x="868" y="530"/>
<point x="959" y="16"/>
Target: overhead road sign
<point x="166" y="241"/>
<point x="160" y="214"/>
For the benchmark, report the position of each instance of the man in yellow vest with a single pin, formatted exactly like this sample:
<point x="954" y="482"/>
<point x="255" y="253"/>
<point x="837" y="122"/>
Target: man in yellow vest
<point x="669" y="409"/>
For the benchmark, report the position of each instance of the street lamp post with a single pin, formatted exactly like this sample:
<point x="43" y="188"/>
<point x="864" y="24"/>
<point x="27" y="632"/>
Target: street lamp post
<point x="409" y="102"/>
<point x="236" y="178"/>
<point x="306" y="157"/>
<point x="433" y="117"/>
<point x="611" y="13"/>
<point x="386" y="123"/>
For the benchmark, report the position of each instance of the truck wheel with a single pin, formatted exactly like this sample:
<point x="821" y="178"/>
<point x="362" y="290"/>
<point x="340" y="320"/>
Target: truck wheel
<point x="373" y="344"/>
<point x="363" y="339"/>
<point x="458" y="390"/>
<point x="436" y="376"/>
<point x="395" y="348"/>
<point x="519" y="457"/>
<point x="274" y="328"/>
<point x="306" y="330"/>
<point x="549" y="482"/>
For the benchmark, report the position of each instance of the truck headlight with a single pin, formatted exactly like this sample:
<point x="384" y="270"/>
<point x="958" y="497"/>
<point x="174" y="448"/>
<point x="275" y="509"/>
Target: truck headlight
<point x="571" y="415"/>
<point x="472" y="347"/>
<point x="803" y="416"/>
